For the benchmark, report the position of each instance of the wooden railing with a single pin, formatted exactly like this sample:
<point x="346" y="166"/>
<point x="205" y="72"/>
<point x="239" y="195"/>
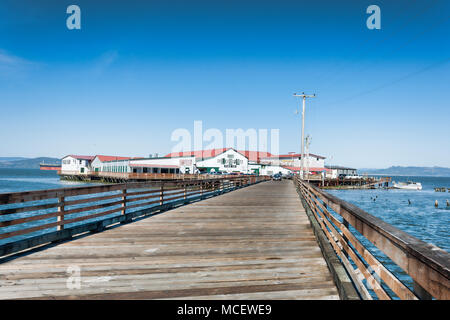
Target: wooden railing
<point x="143" y="176"/>
<point x="426" y="264"/>
<point x="28" y="219"/>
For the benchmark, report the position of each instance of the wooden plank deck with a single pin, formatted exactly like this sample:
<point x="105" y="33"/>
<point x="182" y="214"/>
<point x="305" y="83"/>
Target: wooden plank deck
<point x="253" y="243"/>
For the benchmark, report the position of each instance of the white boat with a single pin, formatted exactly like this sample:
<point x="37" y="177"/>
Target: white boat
<point x="409" y="185"/>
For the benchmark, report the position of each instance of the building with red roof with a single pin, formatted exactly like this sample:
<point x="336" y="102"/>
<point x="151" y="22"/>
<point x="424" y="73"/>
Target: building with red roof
<point x="254" y="156"/>
<point x="293" y="161"/>
<point x="225" y="160"/>
<point x="76" y="164"/>
<point x="102" y="163"/>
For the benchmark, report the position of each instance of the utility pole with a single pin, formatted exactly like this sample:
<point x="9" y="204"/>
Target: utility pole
<point x="307" y="142"/>
<point x="304" y="96"/>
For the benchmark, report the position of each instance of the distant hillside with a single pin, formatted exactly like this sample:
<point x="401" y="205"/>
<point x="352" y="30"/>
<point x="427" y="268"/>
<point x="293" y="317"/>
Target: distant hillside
<point x="24" y="163"/>
<point x="2" y="159"/>
<point x="410" y="171"/>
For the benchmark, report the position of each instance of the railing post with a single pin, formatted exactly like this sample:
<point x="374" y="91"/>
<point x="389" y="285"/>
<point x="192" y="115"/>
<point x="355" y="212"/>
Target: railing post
<point x="61" y="212"/>
<point x="161" y="194"/>
<point x="123" y="211"/>
<point x="124" y="199"/>
<point x="185" y="191"/>
<point x="346" y="224"/>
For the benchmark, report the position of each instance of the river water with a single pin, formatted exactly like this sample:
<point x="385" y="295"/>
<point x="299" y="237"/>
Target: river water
<point x="16" y="180"/>
<point x="418" y="216"/>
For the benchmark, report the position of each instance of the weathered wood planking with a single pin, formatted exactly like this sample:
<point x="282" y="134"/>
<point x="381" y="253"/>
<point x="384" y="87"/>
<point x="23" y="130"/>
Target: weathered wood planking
<point x="254" y="243"/>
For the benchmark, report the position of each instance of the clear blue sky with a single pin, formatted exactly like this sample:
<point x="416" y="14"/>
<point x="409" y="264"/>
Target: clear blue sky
<point x="137" y="70"/>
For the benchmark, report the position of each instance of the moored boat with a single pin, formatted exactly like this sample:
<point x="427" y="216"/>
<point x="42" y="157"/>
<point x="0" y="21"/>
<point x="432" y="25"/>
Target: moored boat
<point x="409" y="185"/>
<point x="44" y="166"/>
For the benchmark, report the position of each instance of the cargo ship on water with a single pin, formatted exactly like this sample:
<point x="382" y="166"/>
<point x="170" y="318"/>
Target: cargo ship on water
<point x="46" y="166"/>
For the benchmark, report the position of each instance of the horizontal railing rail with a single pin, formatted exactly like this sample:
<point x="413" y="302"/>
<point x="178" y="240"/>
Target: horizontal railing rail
<point x="32" y="218"/>
<point x="143" y="176"/>
<point x="426" y="264"/>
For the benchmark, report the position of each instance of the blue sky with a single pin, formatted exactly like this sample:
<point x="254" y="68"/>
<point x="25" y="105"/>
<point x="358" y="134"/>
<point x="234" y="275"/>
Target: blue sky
<point x="138" y="70"/>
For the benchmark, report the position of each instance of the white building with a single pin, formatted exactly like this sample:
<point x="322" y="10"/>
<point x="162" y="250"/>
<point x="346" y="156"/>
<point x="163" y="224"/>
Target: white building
<point x="313" y="161"/>
<point x="227" y="162"/>
<point x="268" y="170"/>
<point x="181" y="164"/>
<point x="75" y="164"/>
<point x="224" y="160"/>
<point x="110" y="164"/>
<point x="333" y="172"/>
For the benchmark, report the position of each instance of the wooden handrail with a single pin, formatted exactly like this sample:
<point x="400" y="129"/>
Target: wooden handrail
<point x="141" y="176"/>
<point x="22" y="213"/>
<point x="428" y="265"/>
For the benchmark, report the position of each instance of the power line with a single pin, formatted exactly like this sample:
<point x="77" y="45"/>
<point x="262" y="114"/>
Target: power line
<point x="363" y="52"/>
<point x="431" y="27"/>
<point x="387" y="84"/>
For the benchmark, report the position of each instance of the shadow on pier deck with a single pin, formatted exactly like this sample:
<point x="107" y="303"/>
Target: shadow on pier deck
<point x="254" y="243"/>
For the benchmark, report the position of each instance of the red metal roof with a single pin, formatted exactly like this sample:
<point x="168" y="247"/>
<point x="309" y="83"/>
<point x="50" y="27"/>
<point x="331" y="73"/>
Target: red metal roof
<point x="294" y="155"/>
<point x="198" y="154"/>
<point x="201" y="154"/>
<point x="80" y="157"/>
<point x="255" y="155"/>
<point x="111" y="158"/>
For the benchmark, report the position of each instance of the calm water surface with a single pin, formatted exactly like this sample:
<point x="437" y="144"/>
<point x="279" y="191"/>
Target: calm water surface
<point x="420" y="218"/>
<point x="16" y="180"/>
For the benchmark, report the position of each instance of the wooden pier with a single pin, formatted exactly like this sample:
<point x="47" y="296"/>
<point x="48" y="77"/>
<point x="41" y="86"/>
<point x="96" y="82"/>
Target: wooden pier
<point x="224" y="238"/>
<point x="361" y="183"/>
<point x="255" y="243"/>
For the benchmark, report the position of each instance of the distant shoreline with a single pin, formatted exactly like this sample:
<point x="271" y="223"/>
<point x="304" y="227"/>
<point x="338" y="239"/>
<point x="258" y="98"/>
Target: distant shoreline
<point x="406" y="175"/>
